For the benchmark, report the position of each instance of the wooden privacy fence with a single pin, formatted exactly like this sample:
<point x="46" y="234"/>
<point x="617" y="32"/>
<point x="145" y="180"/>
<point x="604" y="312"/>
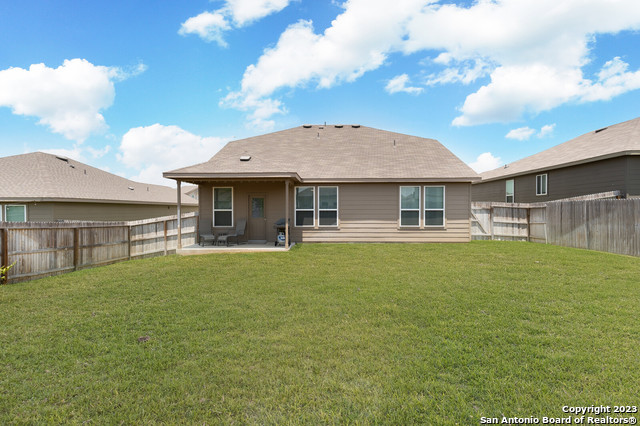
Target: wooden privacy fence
<point x="508" y="221"/>
<point x="40" y="249"/>
<point x="604" y="225"/>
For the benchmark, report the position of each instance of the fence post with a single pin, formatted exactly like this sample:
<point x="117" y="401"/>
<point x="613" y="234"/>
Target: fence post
<point x="528" y="224"/>
<point x="166" y="242"/>
<point x="491" y="220"/>
<point x="76" y="248"/>
<point x="129" y="239"/>
<point x="4" y="254"/>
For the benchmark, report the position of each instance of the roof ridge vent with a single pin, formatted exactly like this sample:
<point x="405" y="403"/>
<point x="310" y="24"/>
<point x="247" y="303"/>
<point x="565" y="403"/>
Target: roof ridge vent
<point x="61" y="158"/>
<point x="338" y="126"/>
<point x="600" y="130"/>
<point x="355" y="126"/>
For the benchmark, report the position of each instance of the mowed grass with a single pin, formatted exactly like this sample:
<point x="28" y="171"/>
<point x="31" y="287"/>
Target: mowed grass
<point x="360" y="334"/>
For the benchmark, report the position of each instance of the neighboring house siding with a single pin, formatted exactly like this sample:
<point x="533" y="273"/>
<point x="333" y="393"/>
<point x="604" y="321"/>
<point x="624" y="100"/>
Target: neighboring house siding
<point x="52" y="211"/>
<point x="583" y="179"/>
<point x="633" y="175"/>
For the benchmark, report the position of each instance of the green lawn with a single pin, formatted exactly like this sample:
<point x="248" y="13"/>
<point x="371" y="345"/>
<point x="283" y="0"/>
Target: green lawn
<point x="375" y="333"/>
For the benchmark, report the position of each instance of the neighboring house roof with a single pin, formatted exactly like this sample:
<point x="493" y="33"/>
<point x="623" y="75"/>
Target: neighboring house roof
<point x="45" y="177"/>
<point x="333" y="153"/>
<point x="613" y="141"/>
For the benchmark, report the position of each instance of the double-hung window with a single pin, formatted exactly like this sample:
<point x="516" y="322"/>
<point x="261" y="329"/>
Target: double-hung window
<point x="15" y="213"/>
<point x="541" y="184"/>
<point x="410" y="206"/>
<point x="509" y="191"/>
<point x="305" y="206"/>
<point x="434" y="206"/>
<point x="328" y="206"/>
<point x="222" y="206"/>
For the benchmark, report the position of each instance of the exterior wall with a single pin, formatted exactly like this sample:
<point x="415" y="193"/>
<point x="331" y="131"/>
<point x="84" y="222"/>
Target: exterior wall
<point x="633" y="175"/>
<point x="583" y="179"/>
<point x="46" y="211"/>
<point x="274" y="193"/>
<point x="366" y="213"/>
<point x="370" y="213"/>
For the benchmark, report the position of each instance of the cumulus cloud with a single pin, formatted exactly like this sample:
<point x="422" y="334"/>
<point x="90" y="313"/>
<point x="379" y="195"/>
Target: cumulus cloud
<point x="68" y="99"/>
<point x="210" y="26"/>
<point x="525" y="133"/>
<point x="399" y="84"/>
<point x="485" y="161"/>
<point x="155" y="149"/>
<point x="546" y="130"/>
<point x="532" y="51"/>
<point x="521" y="134"/>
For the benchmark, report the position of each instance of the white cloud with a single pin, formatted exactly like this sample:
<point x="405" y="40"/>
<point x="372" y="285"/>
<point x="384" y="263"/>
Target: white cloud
<point x="210" y="26"/>
<point x="525" y="133"/>
<point x="67" y="99"/>
<point x="399" y="84"/>
<point x="533" y="50"/>
<point x="521" y="134"/>
<point x="485" y="161"/>
<point x="546" y="130"/>
<point x="155" y="149"/>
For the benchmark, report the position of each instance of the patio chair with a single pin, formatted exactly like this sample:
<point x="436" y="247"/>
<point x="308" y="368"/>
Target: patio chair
<point x="207" y="237"/>
<point x="241" y="224"/>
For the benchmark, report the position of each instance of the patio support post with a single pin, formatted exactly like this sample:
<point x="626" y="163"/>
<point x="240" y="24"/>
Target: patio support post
<point x="286" y="214"/>
<point x="179" y="192"/>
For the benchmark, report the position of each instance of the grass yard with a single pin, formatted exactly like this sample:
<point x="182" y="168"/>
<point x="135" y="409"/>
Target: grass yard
<point x="376" y="333"/>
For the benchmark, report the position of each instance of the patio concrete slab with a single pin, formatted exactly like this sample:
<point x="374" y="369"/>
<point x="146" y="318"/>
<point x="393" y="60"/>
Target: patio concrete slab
<point x="196" y="249"/>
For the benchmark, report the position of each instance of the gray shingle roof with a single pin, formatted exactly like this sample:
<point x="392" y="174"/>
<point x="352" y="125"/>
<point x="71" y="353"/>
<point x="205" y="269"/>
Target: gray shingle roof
<point x="330" y="153"/>
<point x="612" y="141"/>
<point x="46" y="177"/>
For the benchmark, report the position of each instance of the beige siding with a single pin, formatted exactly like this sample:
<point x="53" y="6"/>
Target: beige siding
<point x="369" y="213"/>
<point x="274" y="193"/>
<point x="46" y="211"/>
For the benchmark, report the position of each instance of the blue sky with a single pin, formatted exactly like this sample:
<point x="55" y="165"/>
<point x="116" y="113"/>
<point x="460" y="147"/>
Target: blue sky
<point x="138" y="87"/>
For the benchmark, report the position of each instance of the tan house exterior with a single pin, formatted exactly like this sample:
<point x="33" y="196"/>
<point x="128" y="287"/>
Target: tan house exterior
<point x="335" y="183"/>
<point x="606" y="160"/>
<point x="39" y="187"/>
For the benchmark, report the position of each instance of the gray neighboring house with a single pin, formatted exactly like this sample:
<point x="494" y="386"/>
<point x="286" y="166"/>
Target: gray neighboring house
<point x="335" y="183"/>
<point x="603" y="160"/>
<point x="45" y="187"/>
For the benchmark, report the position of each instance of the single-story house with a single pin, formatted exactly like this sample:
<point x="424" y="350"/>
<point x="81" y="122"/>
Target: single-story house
<point x="335" y="183"/>
<point x="603" y="160"/>
<point x="45" y="187"/>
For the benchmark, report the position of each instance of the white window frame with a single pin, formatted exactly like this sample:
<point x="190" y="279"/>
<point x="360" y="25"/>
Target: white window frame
<point x="513" y="191"/>
<point x="222" y="210"/>
<point x="296" y="209"/>
<point x="329" y="210"/>
<point x="444" y="203"/>
<point x="409" y="210"/>
<point x="546" y="184"/>
<point x="24" y="206"/>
